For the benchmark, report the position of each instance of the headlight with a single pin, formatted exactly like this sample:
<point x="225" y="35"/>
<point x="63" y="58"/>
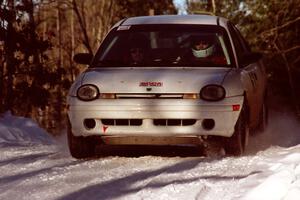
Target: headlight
<point x="212" y="93"/>
<point x="87" y="92"/>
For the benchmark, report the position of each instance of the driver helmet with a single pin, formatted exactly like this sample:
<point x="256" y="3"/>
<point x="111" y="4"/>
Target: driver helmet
<point x="203" y="47"/>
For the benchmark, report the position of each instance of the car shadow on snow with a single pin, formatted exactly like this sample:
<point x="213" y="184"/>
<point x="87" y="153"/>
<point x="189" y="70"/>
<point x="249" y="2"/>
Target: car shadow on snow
<point x="7" y="180"/>
<point x="25" y="159"/>
<point x="119" y="187"/>
<point x="148" y="150"/>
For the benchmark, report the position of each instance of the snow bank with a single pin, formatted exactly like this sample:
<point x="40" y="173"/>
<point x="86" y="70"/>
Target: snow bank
<point x="280" y="175"/>
<point x="20" y="130"/>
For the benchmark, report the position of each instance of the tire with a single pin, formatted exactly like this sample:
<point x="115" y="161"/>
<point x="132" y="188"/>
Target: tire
<point x="235" y="145"/>
<point x="80" y="147"/>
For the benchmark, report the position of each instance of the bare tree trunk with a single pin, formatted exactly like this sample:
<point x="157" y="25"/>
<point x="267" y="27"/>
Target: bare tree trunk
<point x="279" y="46"/>
<point x="151" y="12"/>
<point x="290" y="76"/>
<point x="106" y="20"/>
<point x="59" y="63"/>
<point x="45" y="22"/>
<point x="58" y="30"/>
<point x="72" y="46"/>
<point x="82" y="26"/>
<point x="101" y="23"/>
<point x="213" y="6"/>
<point x="10" y="64"/>
<point x="30" y="112"/>
<point x="2" y="62"/>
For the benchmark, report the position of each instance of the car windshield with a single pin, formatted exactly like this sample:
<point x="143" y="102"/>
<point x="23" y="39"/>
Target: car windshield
<point x="165" y="45"/>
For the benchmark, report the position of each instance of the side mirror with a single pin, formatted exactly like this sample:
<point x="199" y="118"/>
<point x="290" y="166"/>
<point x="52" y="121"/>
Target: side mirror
<point x="251" y="58"/>
<point x="83" y="58"/>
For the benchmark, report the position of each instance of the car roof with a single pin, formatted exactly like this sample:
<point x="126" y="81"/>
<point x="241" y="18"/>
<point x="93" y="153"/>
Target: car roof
<point x="175" y="19"/>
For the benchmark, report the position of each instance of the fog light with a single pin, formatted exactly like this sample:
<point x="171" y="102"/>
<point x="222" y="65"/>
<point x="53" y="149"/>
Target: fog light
<point x="89" y="123"/>
<point x="208" y="124"/>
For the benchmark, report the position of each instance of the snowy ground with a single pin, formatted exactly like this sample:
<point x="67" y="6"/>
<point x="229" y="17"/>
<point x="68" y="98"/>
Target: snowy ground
<point x="35" y="166"/>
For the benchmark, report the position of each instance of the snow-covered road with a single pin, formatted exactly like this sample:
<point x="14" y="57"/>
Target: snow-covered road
<point x="34" y="166"/>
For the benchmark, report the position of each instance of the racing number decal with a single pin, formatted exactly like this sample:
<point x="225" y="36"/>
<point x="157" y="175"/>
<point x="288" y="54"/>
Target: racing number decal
<point x="253" y="78"/>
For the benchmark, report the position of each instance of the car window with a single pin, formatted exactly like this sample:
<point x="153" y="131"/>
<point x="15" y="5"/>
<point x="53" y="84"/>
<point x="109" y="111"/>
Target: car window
<point x="240" y="44"/>
<point x="236" y="42"/>
<point x="246" y="47"/>
<point x="165" y="45"/>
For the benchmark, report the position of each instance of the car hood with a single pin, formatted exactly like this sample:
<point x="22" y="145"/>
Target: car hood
<point x="149" y="80"/>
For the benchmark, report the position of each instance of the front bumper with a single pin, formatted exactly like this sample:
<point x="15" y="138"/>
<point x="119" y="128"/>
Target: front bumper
<point x="147" y="110"/>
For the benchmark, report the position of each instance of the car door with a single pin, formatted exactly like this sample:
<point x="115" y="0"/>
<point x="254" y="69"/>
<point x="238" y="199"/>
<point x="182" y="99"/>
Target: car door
<point x="252" y="73"/>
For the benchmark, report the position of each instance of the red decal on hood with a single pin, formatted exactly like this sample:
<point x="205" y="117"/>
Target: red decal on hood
<point x="104" y="128"/>
<point x="151" y="84"/>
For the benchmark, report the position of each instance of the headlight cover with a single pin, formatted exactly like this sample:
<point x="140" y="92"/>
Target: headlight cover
<point x="212" y="93"/>
<point x="87" y="92"/>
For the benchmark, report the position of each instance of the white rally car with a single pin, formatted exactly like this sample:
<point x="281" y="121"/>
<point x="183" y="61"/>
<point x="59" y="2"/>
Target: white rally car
<point x="168" y="80"/>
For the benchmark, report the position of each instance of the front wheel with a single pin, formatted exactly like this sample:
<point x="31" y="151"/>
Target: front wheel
<point x="235" y="145"/>
<point x="80" y="147"/>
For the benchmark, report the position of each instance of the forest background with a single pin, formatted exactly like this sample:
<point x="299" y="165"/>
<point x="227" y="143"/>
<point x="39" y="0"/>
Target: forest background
<point x="38" y="39"/>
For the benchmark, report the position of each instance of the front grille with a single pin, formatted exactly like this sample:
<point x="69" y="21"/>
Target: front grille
<point x="149" y="96"/>
<point x="174" y="122"/>
<point x="122" y="122"/>
<point x="156" y="122"/>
